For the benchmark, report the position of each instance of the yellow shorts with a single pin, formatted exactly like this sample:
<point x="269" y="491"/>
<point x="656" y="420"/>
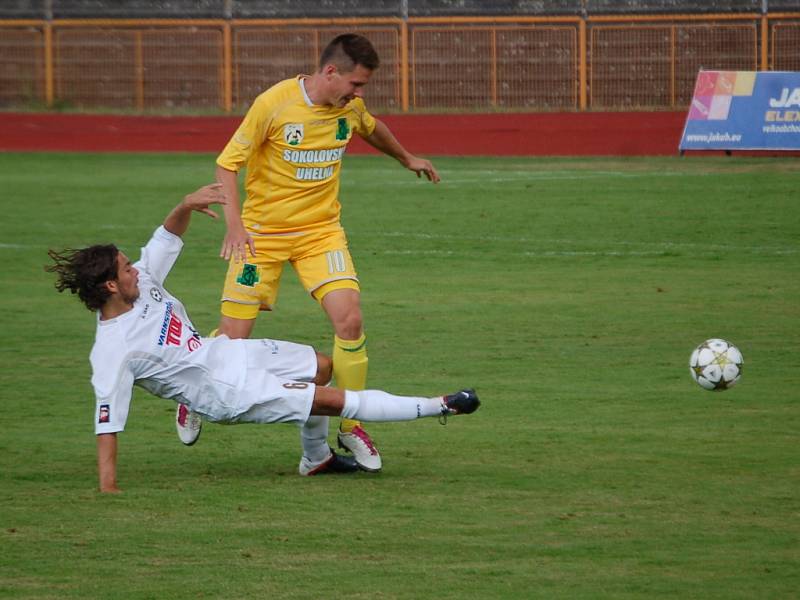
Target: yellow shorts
<point x="319" y="257"/>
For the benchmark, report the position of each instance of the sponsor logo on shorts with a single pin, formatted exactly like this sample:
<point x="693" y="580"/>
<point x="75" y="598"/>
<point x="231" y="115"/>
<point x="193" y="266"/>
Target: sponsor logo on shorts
<point x="105" y="414"/>
<point x="293" y="133"/>
<point x="271" y="344"/>
<point x="249" y="275"/>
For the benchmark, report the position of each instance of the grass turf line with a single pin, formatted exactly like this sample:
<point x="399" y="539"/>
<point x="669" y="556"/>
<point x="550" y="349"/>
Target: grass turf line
<point x="570" y="292"/>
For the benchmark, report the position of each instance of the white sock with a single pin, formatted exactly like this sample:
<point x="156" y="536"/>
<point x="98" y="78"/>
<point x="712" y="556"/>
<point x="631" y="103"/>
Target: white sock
<point x="314" y="438"/>
<point x="374" y="405"/>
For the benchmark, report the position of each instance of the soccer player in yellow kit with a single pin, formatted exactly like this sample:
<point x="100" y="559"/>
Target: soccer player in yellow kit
<point x="292" y="141"/>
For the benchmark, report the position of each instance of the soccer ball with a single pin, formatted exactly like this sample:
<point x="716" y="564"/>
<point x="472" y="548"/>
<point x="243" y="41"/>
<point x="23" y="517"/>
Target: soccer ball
<point x="716" y="365"/>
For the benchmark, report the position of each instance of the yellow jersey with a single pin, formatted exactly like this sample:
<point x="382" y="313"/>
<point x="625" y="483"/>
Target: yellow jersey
<point x="293" y="151"/>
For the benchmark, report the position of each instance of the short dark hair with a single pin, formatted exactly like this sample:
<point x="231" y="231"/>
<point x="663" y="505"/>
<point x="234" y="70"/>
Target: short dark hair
<point x="348" y="50"/>
<point x="85" y="271"/>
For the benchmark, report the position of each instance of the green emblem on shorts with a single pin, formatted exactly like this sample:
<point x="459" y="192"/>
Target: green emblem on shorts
<point x="248" y="276"/>
<point x="342" y="130"/>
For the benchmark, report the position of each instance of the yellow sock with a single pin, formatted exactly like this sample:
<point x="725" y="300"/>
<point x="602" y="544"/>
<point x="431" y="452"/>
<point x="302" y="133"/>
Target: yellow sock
<point x="350" y="369"/>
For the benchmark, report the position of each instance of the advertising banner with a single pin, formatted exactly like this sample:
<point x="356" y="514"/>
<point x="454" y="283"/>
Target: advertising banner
<point x="744" y="110"/>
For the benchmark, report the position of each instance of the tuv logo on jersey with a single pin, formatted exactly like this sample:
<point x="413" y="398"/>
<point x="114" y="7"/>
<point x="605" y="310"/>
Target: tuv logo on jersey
<point x="171" y="328"/>
<point x="293" y="133"/>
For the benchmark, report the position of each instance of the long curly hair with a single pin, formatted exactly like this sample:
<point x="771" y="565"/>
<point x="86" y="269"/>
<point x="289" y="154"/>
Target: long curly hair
<point x="85" y="271"/>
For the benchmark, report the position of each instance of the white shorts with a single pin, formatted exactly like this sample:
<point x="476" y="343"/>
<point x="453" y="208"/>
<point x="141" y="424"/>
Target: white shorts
<point x="278" y="384"/>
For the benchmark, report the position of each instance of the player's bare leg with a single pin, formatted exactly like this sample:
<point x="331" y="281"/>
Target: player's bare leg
<point x="235" y="328"/>
<point x="343" y="307"/>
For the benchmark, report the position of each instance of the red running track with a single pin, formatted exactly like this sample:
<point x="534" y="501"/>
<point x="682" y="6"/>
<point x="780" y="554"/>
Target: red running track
<point x="528" y="134"/>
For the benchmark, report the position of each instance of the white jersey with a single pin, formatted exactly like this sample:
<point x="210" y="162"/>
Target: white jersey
<point x="155" y="346"/>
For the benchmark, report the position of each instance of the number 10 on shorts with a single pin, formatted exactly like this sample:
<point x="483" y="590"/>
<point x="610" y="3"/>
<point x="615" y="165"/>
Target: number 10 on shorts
<point x="336" y="262"/>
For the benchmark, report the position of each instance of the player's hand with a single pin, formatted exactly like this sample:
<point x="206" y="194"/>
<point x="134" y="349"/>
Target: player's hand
<point x="205" y="196"/>
<point x="236" y="244"/>
<point x="420" y="166"/>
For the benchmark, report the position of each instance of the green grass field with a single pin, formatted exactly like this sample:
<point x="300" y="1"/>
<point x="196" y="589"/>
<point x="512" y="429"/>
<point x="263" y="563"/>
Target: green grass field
<point x="569" y="292"/>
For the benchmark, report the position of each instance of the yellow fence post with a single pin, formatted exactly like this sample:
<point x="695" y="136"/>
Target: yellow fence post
<point x="49" y="95"/>
<point x="494" y="67"/>
<point x="404" y="78"/>
<point x="582" y="58"/>
<point x="138" y="68"/>
<point x="672" y="59"/>
<point x="227" y="68"/>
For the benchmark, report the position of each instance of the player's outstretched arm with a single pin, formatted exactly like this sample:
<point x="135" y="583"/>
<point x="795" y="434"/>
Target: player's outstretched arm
<point x="107" y="462"/>
<point x="237" y="241"/>
<point x="177" y="220"/>
<point x="383" y="139"/>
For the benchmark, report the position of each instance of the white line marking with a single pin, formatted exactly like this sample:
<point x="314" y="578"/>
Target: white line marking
<point x="558" y="253"/>
<point x="506" y="178"/>
<point x="667" y="245"/>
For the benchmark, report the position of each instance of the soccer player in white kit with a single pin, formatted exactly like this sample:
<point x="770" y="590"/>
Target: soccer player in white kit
<point x="145" y="337"/>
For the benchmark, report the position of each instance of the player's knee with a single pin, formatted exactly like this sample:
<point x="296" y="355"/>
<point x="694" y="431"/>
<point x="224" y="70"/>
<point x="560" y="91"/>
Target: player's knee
<point x="324" y="369"/>
<point x="350" y="326"/>
<point x="235" y="328"/>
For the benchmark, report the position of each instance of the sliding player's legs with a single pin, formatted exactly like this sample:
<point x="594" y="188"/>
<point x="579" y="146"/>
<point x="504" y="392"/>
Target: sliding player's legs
<point x="269" y="399"/>
<point x="383" y="407"/>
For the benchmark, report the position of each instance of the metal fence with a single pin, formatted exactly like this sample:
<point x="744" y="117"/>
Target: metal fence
<point x="402" y="9"/>
<point x="500" y="63"/>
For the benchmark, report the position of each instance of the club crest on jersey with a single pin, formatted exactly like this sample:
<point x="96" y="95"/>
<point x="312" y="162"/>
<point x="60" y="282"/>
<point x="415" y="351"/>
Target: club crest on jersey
<point x="342" y="129"/>
<point x="293" y="133"/>
<point x="249" y="275"/>
<point x="155" y="294"/>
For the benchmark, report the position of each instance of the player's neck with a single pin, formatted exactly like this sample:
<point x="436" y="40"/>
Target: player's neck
<point x="314" y="86"/>
<point x="114" y="307"/>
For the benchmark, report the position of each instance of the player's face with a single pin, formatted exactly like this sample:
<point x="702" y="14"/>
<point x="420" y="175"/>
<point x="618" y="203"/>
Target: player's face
<point x="344" y="86"/>
<point x="127" y="279"/>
